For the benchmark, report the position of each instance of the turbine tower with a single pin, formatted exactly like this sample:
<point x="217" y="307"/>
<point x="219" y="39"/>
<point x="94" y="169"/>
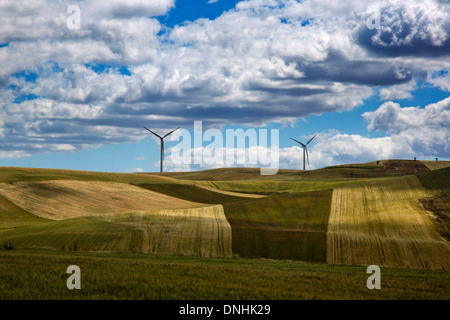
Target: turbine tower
<point x="162" y="144"/>
<point x="305" y="150"/>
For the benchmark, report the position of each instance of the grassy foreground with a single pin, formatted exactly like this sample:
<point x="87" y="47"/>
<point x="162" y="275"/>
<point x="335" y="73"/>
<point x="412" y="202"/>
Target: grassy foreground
<point x="42" y="275"/>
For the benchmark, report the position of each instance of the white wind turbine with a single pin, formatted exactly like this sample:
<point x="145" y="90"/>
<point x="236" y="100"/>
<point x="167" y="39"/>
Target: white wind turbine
<point x="305" y="149"/>
<point x="162" y="144"/>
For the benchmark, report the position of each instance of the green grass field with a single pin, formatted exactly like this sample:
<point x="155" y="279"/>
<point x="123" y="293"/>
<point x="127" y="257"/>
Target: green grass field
<point x="42" y="275"/>
<point x="284" y="226"/>
<point x="266" y="187"/>
<point x="80" y="234"/>
<point x="190" y="192"/>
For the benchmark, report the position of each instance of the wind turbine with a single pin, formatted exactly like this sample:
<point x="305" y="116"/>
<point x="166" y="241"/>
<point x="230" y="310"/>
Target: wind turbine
<point x="162" y="143"/>
<point x="305" y="149"/>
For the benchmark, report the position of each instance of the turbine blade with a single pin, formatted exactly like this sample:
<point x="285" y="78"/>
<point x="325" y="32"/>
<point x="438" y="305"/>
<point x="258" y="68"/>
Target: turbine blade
<point x="298" y="142"/>
<point x="311" y="139"/>
<point x="307" y="155"/>
<point x="171" y="132"/>
<point x="154" y="133"/>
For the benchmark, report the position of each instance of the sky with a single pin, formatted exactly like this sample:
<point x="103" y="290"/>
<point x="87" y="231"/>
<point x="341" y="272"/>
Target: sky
<point x="77" y="85"/>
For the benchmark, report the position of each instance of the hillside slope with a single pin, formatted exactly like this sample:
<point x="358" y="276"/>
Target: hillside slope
<point x="13" y="216"/>
<point x="203" y="231"/>
<point x="436" y="165"/>
<point x="381" y="223"/>
<point x="281" y="226"/>
<point x="62" y="199"/>
<point x="87" y="211"/>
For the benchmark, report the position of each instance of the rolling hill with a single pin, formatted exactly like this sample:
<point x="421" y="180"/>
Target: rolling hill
<point x="62" y="199"/>
<point x="391" y="213"/>
<point x="87" y="211"/>
<point x="381" y="223"/>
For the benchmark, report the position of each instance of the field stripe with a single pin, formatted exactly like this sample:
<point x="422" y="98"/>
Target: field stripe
<point x="394" y="252"/>
<point x="202" y="231"/>
<point x="435" y="165"/>
<point x="63" y="199"/>
<point x="381" y="223"/>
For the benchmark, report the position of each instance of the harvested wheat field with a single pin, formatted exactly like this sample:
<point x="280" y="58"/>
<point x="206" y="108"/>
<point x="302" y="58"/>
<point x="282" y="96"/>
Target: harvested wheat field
<point x="435" y="165"/>
<point x="62" y="199"/>
<point x="381" y="223"/>
<point x="202" y="231"/>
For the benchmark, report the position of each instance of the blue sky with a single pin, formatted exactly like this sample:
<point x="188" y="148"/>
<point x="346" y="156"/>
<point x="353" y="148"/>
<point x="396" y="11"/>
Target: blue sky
<point x="78" y="99"/>
<point x="188" y="10"/>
